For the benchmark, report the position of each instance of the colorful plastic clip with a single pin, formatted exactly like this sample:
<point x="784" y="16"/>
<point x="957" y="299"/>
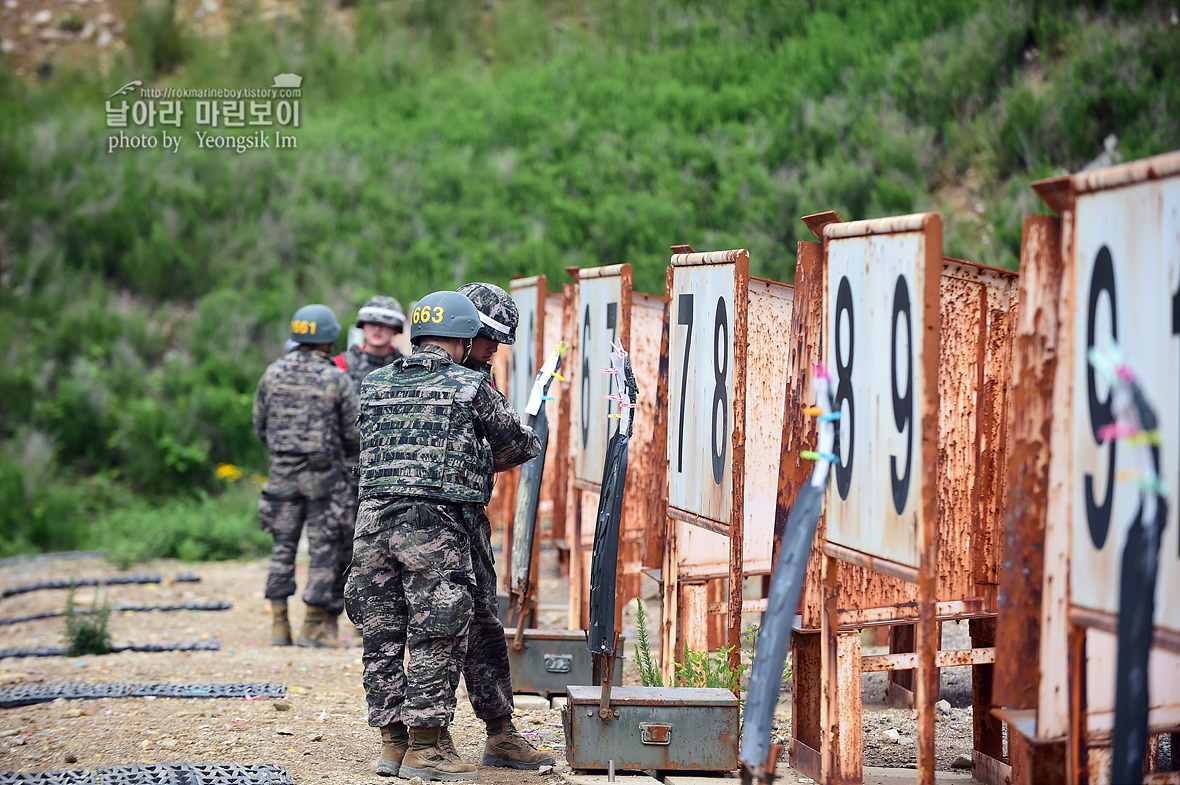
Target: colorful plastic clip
<point x="832" y="417"/>
<point x="615" y="416"/>
<point x="813" y="411"/>
<point x="812" y="455"/>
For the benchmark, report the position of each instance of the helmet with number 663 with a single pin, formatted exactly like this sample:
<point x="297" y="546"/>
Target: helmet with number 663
<point x="497" y="311"/>
<point x="443" y="315"/>
<point x="315" y="324"/>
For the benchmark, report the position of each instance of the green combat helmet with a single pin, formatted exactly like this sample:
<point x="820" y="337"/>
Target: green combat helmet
<point x="314" y="324"/>
<point x="444" y="315"/>
<point x="497" y="311"/>
<point x="380" y="309"/>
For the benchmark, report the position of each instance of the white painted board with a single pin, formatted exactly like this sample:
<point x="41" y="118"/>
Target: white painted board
<point x="600" y="320"/>
<point x="1126" y="282"/>
<point x="700" y="390"/>
<point x="875" y="323"/>
<point x="522" y="367"/>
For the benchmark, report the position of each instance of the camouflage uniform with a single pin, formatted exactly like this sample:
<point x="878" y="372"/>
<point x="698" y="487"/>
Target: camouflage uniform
<point x="486" y="670"/>
<point x="305" y="414"/>
<point x="430" y="432"/>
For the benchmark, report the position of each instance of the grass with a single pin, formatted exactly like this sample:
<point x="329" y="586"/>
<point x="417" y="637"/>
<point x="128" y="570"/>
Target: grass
<point x="144" y="292"/>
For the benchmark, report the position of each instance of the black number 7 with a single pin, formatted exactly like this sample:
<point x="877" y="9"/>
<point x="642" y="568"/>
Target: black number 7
<point x="684" y="315"/>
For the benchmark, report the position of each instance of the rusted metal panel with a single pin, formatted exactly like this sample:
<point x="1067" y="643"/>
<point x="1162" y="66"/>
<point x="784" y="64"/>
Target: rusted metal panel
<point x="701" y="393"/>
<point x="882" y="338"/>
<point x="771" y="308"/>
<point x="643" y="504"/>
<point x="1125" y="275"/>
<point x="947" y="658"/>
<point x="1033" y="368"/>
<point x="601" y="308"/>
<point x="1163" y="678"/>
<point x="840" y="706"/>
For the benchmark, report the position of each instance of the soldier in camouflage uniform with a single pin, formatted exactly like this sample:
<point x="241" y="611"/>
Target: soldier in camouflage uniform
<point x="431" y="431"/>
<point x="381" y="318"/>
<point x="305" y="415"/>
<point x="486" y="669"/>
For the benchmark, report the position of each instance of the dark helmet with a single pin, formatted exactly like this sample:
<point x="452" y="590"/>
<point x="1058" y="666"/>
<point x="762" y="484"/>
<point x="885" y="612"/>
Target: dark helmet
<point x="314" y="324"/>
<point x="444" y="315"/>
<point x="380" y="309"/>
<point x="497" y="311"/>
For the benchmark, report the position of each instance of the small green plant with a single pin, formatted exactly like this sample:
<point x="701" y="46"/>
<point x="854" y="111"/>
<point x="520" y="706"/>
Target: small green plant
<point x="750" y="645"/>
<point x="649" y="673"/>
<point x="88" y="633"/>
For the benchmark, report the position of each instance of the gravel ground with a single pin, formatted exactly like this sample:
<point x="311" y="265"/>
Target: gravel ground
<point x="318" y="733"/>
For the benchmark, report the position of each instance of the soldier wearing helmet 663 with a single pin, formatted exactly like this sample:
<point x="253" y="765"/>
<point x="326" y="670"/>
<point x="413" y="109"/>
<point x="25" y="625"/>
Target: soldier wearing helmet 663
<point x="431" y="431"/>
<point x="486" y="670"/>
<point x="305" y="415"/>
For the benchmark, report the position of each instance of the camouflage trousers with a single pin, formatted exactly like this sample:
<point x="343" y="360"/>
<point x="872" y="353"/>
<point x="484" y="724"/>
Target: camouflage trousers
<point x="329" y="523"/>
<point x="410" y="592"/>
<point x="485" y="669"/>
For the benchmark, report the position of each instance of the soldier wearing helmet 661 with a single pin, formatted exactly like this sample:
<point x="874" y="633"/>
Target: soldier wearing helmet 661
<point x="305" y="415"/>
<point x="431" y="431"/>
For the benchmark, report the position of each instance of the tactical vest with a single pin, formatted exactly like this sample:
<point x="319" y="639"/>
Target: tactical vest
<point x="301" y="405"/>
<point x="418" y="432"/>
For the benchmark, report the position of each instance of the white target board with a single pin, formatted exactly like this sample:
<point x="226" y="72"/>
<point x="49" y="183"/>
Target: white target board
<point x="600" y="321"/>
<point x="878" y="286"/>
<point x="1126" y="285"/>
<point x="700" y="390"/>
<point x="522" y="368"/>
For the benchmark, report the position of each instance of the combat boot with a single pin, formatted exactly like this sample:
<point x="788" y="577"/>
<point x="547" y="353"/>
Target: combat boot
<point x="395" y="740"/>
<point x="315" y="630"/>
<point x="506" y="748"/>
<point x="280" y="626"/>
<point x="426" y="760"/>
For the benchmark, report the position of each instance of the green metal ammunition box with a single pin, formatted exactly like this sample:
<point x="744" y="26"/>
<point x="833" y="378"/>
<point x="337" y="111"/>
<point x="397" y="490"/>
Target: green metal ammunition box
<point x="551" y="660"/>
<point x="668" y="729"/>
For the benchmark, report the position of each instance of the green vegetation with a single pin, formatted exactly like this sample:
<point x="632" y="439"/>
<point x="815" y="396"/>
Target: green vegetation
<point x="143" y="292"/>
<point x="87" y="633"/>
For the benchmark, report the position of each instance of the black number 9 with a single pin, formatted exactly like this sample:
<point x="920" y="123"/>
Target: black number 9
<point x="903" y="407"/>
<point x="1101" y="280"/>
<point x="720" y="399"/>
<point x="844" y="387"/>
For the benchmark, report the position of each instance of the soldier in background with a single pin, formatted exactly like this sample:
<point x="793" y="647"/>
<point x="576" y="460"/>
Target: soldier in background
<point x="382" y="319"/>
<point x="486" y="670"/>
<point x="431" y="432"/>
<point x="305" y="415"/>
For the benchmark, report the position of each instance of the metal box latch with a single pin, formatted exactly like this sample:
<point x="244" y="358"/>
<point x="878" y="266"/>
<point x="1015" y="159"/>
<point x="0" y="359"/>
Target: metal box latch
<point x="655" y="733"/>
<point x="559" y="663"/>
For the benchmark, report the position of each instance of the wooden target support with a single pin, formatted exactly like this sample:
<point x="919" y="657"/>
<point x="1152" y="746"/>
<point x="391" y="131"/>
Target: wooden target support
<point x="720" y="402"/>
<point x="606" y="309"/>
<point x="1107" y="267"/>
<point x="919" y="350"/>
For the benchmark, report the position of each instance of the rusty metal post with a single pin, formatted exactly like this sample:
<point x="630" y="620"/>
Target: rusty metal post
<point x="741" y="302"/>
<point x="1023" y="563"/>
<point x="1078" y="761"/>
<point x="670" y="586"/>
<point x="564" y="460"/>
<point x="987" y="731"/>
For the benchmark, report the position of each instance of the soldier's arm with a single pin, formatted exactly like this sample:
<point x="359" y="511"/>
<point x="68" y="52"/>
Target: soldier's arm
<point x="512" y="443"/>
<point x="260" y="411"/>
<point x="349" y="406"/>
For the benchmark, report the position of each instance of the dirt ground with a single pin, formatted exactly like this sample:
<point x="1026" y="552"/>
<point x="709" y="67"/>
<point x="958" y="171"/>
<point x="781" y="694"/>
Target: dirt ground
<point x="319" y="732"/>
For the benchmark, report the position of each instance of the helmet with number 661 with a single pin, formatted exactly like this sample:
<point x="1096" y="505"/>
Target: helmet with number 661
<point x="443" y="315"/>
<point x="314" y="324"/>
<point x="497" y="311"/>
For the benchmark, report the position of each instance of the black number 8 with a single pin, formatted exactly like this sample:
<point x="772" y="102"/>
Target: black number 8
<point x="720" y="399"/>
<point x="844" y="388"/>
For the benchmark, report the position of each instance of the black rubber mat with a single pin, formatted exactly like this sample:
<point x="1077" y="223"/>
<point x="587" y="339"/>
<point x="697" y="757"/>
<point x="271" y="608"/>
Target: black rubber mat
<point x="29" y="694"/>
<point x="189" y="606"/>
<point x="115" y="580"/>
<point x="157" y="774"/>
<point x="61" y="651"/>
